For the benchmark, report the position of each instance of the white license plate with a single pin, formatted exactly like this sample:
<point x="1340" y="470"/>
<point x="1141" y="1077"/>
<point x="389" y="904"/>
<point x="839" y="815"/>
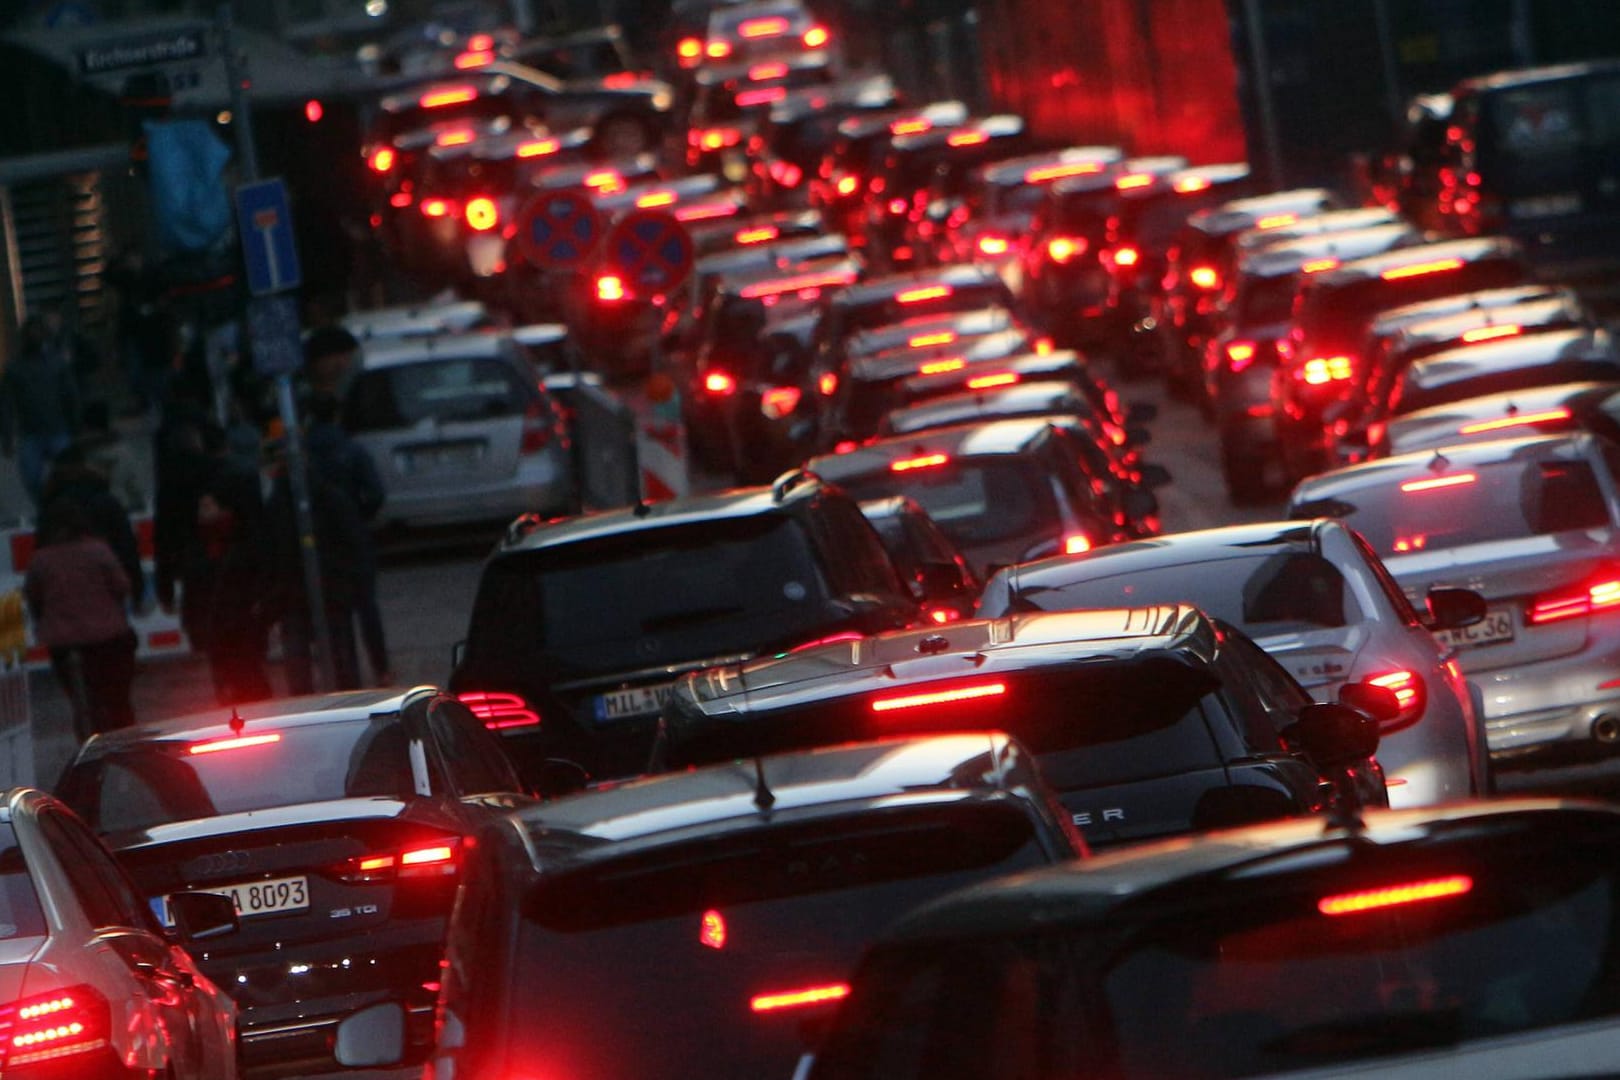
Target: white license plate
<point x="1546" y="206"/>
<point x="459" y="456"/>
<point x="636" y="701"/>
<point x="1495" y="627"/>
<point x="277" y="896"/>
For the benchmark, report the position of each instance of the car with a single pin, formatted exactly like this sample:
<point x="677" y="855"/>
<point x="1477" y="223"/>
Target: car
<point x="1592" y="406"/>
<point x="939" y="576"/>
<point x="90" y="984"/>
<point x="336" y="824"/>
<point x="461" y="430"/>
<point x="732" y="101"/>
<point x="751" y="886"/>
<point x="614" y="605"/>
<point x="799" y="131"/>
<point x="1530" y="523"/>
<point x="845" y="177"/>
<point x="1425" y="943"/>
<point x="1316" y="598"/>
<point x="1006" y="491"/>
<point x="1146" y="721"/>
<point x="761" y="30"/>
<point x="992" y="215"/>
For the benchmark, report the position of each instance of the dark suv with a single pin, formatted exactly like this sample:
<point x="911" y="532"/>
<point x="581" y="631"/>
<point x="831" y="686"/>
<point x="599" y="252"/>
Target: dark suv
<point x="582" y="624"/>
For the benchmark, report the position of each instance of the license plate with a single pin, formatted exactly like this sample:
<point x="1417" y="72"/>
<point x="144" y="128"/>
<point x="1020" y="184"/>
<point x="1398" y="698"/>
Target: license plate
<point x="1495" y="627"/>
<point x="1546" y="206"/>
<point x="457" y="456"/>
<point x="636" y="701"/>
<point x="278" y="896"/>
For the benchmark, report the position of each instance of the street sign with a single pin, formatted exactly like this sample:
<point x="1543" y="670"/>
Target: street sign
<point x="651" y="250"/>
<point x="273" y="335"/>
<point x="264" y="222"/>
<point x="558" y="230"/>
<point x="175" y="46"/>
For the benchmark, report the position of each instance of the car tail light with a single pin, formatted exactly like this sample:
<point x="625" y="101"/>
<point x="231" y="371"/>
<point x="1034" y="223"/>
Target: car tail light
<point x="480" y="43"/>
<point x="499" y="711"/>
<point x="947" y="696"/>
<point x="918" y="296"/>
<point x="749" y="98"/>
<point x="482" y="214"/>
<point x="846" y="185"/>
<point x="993" y="245"/>
<point x="1411" y="892"/>
<point x="469" y="60"/>
<point x="437" y="208"/>
<point x="1422" y="269"/>
<point x="432" y="859"/>
<point x="1319" y="266"/>
<point x="1043" y="346"/>
<point x="943" y="615"/>
<point x="238" y="742"/>
<point x="1188" y="185"/>
<point x="1077" y="544"/>
<point x="539" y="426"/>
<point x="453" y="95"/>
<point x="1239" y="355"/>
<point x="846" y="446"/>
<point x="655" y="199"/>
<point x="1048" y="173"/>
<point x="759" y="28"/>
<point x="779" y="401"/>
<point x="924" y="461"/>
<point x="786" y="173"/>
<point x="610" y="288"/>
<point x="689" y="49"/>
<point x="1547" y="416"/>
<point x="382" y="159"/>
<point x="707" y="211"/>
<point x="796" y="283"/>
<point x="719" y="383"/>
<point x="816" y="37"/>
<point x="1205" y="277"/>
<point x="1438" y="482"/>
<point x="913" y="126"/>
<point x="761" y="72"/>
<point x="717" y="50"/>
<point x="923" y="341"/>
<point x="712" y="930"/>
<point x="1126" y="256"/>
<point x="53" y="1026"/>
<point x="827" y="383"/>
<point x="898" y="205"/>
<point x="1064" y="248"/>
<point x="1276" y="221"/>
<point x="798" y="999"/>
<point x="967" y="138"/>
<point x="940" y="367"/>
<point x="604" y="180"/>
<point x="314" y="110"/>
<point x="1492" y="333"/>
<point x="715" y="138"/>
<point x="990" y="382"/>
<point x="1321" y="370"/>
<point x="1133" y="180"/>
<point x="1593" y="598"/>
<point x="1410" y="694"/>
<point x="761" y="235"/>
<point x="399" y="200"/>
<point x="538" y="148"/>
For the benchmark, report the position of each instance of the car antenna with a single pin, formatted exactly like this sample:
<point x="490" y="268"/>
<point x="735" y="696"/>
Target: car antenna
<point x="236" y="722"/>
<point x="1439" y="462"/>
<point x="763" y="797"/>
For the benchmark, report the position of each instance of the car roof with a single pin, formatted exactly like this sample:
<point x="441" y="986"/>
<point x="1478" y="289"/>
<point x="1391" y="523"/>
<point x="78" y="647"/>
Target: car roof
<point x="1528" y="350"/>
<point x="1532" y="313"/>
<point x="1288" y="256"/>
<point x="384" y="352"/>
<point x="996" y="438"/>
<point x="1394" y="319"/>
<point x="1095" y="890"/>
<point x="881" y="289"/>
<point x="1436" y="462"/>
<point x="997" y="126"/>
<point x="306" y="711"/>
<point x="1528" y="402"/>
<point x="1470" y="250"/>
<point x="1169" y="549"/>
<point x="1502" y="80"/>
<point x="1240" y="214"/>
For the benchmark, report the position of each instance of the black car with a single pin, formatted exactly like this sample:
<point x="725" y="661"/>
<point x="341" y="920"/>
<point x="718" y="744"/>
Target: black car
<point x="690" y="925"/>
<point x="581" y="625"/>
<point x="1474" y="940"/>
<point x="847" y="173"/>
<point x="1146" y="721"/>
<point x="337" y="824"/>
<point x="938" y="574"/>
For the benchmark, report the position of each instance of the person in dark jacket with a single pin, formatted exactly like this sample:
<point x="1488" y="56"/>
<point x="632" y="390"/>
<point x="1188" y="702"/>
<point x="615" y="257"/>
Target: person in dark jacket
<point x="184" y="466"/>
<point x="72" y="477"/>
<point x="39" y="402"/>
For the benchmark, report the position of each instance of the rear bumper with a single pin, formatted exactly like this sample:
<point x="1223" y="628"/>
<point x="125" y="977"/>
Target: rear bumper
<point x="543" y="482"/>
<point x="1551" y="705"/>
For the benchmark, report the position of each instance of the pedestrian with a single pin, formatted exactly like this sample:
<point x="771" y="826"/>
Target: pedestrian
<point x="232" y="527"/>
<point x="146" y="332"/>
<point x="76" y="594"/>
<point x="329" y="355"/>
<point x="39" y="402"/>
<point x="183" y="575"/>
<point x="335" y="454"/>
<point x="72" y="477"/>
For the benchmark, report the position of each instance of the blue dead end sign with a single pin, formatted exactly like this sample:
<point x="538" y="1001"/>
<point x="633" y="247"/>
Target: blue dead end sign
<point x="558" y="230"/>
<point x="651" y="250"/>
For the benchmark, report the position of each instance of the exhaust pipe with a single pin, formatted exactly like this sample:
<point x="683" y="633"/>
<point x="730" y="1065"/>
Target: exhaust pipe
<point x="1606" y="729"/>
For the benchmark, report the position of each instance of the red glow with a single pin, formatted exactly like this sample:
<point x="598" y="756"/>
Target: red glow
<point x="436" y="208"/>
<point x="707" y="211"/>
<point x="1078" y="544"/>
<point x="1321" y="370"/>
<point x="399" y="200"/>
<point x="712" y="931"/>
<point x="918" y="296"/>
<point x="720" y="383"/>
<point x="1491" y="333"/>
<point x="610" y="288"/>
<point x="816" y="37"/>
<point x="1133" y="180"/>
<point x="940" y="367"/>
<point x="716" y="138"/>
<point x="922" y="341"/>
<point x="993" y="245"/>
<point x="1415" y="542"/>
<point x="1064" y="248"/>
<point x="1457" y="480"/>
<point x="847" y="184"/>
<point x="458" y="137"/>
<point x="1317" y="266"/>
<point x="428" y="856"/>
<point x="468" y="60"/>
<point x="1546" y="417"/>
<point x="621" y="80"/>
<point x="1405" y="685"/>
<point x="1059" y="172"/>
<point x="750" y="98"/>
<point x="313" y="111"/>
<point x="827" y="384"/>
<point x="927" y="461"/>
<point x="689" y="48"/>
<point x="967" y="138"/>
<point x="897" y="206"/>
<point x="718" y="50"/>
<point x="759" y="235"/>
<point x="967" y="692"/>
<point x="1239" y="355"/>
<point x="1276" y="221"/>
<point x="989" y="382"/>
<point x="1189" y="184"/>
<point x="779" y="401"/>
<point x="1043" y="346"/>
<point x="455" y="95"/>
<point x="1126" y="256"/>
<point x="793" y="999"/>
<point x="914" y="126"/>
<point x="53" y="1026"/>
<point x="944" y="615"/>
<point x="538" y="148"/>
<point x="1422" y="269"/>
<point x="761" y="72"/>
<point x="797" y="283"/>
<point x="758" y="28"/>
<point x="480" y="43"/>
<point x="1205" y="277"/>
<point x="604" y="180"/>
<point x="482" y="214"/>
<point x="655" y="199"/>
<point x="498" y="711"/>
<point x="1597" y="597"/>
<point x="240" y="742"/>
<point x="1395" y="895"/>
<point x="383" y="158"/>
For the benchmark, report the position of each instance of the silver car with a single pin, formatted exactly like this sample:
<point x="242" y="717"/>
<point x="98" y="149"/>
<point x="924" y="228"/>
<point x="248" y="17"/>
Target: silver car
<point x="461" y="430"/>
<point x="1533" y="525"/>
<point x="1317" y="599"/>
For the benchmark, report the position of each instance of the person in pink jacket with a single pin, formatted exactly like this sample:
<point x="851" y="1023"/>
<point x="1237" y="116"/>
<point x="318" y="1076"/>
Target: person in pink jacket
<point x="77" y="596"/>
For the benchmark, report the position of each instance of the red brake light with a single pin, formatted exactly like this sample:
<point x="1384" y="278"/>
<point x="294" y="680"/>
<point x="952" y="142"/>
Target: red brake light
<point x="1276" y="221"/>
<point x="761" y="72"/>
<point x="313" y="111"/>
<point x="1409" y="694"/>
<point x="1187" y="185"/>
<point x="604" y="180"/>
<point x="239" y="742"/>
<point x="468" y="60"/>
<point x="940" y="367"/>
<point x="758" y="28"/>
<point x="827" y="384"/>
<point x="1603" y="595"/>
<point x="794" y="999"/>
<point x="1520" y="420"/>
<point x="1043" y="346"/>
<point x="716" y="138"/>
<point x="1059" y="172"/>
<point x="1455" y="480"/>
<point x="437" y="208"/>
<point x="1064" y="248"/>
<point x="706" y="211"/>
<point x="1395" y="895"/>
<point x="538" y="148"/>
<point x="1205" y="277"/>
<point x="759" y="235"/>
<point x="913" y="126"/>
<point x="846" y="185"/>
<point x="1126" y="256"/>
<point x="712" y="933"/>
<point x="926" y="461"/>
<point x="1434" y="266"/>
<point x="455" y="95"/>
<point x="458" y="137"/>
<point x="399" y="200"/>
<point x="1133" y="180"/>
<point x="797" y="283"/>
<point x="689" y="48"/>
<point x="1491" y="333"/>
<point x="718" y="50"/>
<point x="610" y="288"/>
<point x="480" y="43"/>
<point x="993" y="245"/>
<point x="966" y="692"/>
<point x="967" y="138"/>
<point x="498" y="711"/>
<point x="922" y="341"/>
<point x="383" y="158"/>
<point x="1239" y="355"/>
<point x="655" y="199"/>
<point x="779" y="401"/>
<point x="719" y="383"/>
<point x="918" y="296"/>
<point x="1078" y="544"/>
<point x="434" y="860"/>
<point x="897" y="206"/>
<point x="816" y="37"/>
<point x="482" y="214"/>
<point x="1321" y="370"/>
<point x="749" y="98"/>
<point x="1318" y="266"/>
<point x="988" y="382"/>
<point x="49" y="1027"/>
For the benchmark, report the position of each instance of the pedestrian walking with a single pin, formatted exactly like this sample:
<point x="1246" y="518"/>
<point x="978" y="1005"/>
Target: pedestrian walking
<point x="72" y="477"/>
<point x="39" y="402"/>
<point x="232" y="527"/>
<point x="77" y="594"/>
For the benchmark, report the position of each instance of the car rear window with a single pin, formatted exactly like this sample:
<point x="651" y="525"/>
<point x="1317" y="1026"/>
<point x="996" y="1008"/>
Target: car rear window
<point x="1495" y="501"/>
<point x="652" y="596"/>
<point x="1336" y="317"/>
<point x="20" y="915"/>
<point x="451" y="389"/>
<point x="686" y="945"/>
<point x="1264" y="300"/>
<point x="137" y="786"/>
<point x="974" y="500"/>
<point x="1260" y="594"/>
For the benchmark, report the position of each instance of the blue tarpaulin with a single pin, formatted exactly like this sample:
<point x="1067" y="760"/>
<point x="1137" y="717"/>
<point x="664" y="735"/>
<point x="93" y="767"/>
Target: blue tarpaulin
<point x="186" y="163"/>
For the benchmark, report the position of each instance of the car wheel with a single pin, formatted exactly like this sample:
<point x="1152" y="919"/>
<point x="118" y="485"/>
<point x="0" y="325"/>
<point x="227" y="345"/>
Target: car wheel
<point x="624" y="136"/>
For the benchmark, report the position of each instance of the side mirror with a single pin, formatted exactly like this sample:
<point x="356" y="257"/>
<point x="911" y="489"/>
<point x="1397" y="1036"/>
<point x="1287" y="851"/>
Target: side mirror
<point x="1139" y="503"/>
<point x="1451" y="608"/>
<point x="1334" y="736"/>
<point x="1141" y="412"/>
<point x="1154" y="476"/>
<point x="199" y="916"/>
<point x="1136" y="435"/>
<point x="558" y="777"/>
<point x="1378" y="702"/>
<point x="374" y="1036"/>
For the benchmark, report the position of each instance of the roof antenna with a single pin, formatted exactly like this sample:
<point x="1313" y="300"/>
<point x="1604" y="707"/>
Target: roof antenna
<point x="236" y="721"/>
<point x="763" y="798"/>
<point x="1439" y="462"/>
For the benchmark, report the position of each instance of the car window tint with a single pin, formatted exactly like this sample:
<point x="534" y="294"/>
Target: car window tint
<point x="1266" y="685"/>
<point x="857" y="548"/>
<point x="444" y="390"/>
<point x="1386" y="581"/>
<point x="974" y="500"/>
<point x="20" y="914"/>
<point x="1265" y="299"/>
<point x="474" y="758"/>
<point x="98" y="881"/>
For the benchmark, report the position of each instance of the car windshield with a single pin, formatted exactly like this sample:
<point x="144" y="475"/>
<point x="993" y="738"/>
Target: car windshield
<point x="974" y="500"/>
<point x="136" y="786"/>
<point x="1253" y="982"/>
<point x="652" y="596"/>
<point x="20" y="915"/>
<point x="1501" y="500"/>
<point x="1260" y="594"/>
<point x="452" y="389"/>
<point x="718" y="950"/>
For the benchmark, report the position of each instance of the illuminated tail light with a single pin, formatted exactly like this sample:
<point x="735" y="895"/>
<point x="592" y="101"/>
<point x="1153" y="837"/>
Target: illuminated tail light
<point x="689" y="49"/>
<point x="758" y="236"/>
<point x="707" y="211"/>
<point x="1523" y="419"/>
<point x="786" y="173"/>
<point x="1205" y="277"/>
<point x="761" y="72"/>
<point x="240" y="742"/>
<point x="455" y="95"/>
<point x="749" y="98"/>
<point x="940" y="367"/>
<point x="1126" y="256"/>
<point x="482" y="214"/>
<point x="655" y="199"/>
<point x="1422" y="269"/>
<point x="719" y="383"/>
<point x="436" y="859"/>
<point x="1276" y="221"/>
<point x="1043" y="346"/>
<point x="943" y="615"/>
<point x="53" y="1026"/>
<point x="437" y="208"/>
<point x="759" y="28"/>
<point x="1078" y="544"/>
<point x="967" y="138"/>
<point x="458" y="137"/>
<point x="1059" y="172"/>
<point x="1188" y="185"/>
<point x="779" y="401"/>
<point x="1592" y="599"/>
<point x="1064" y="248"/>
<point x="845" y="446"/>
<point x="712" y="930"/>
<point x="1319" y="266"/>
<point x="898" y="206"/>
<point x="816" y="37"/>
<point x="846" y="185"/>
<point x="1438" y="482"/>
<point x="717" y="138"/>
<point x="1410" y="695"/>
<point x="1131" y="181"/>
<point x="604" y="180"/>
<point x="1492" y="333"/>
<point x="480" y="43"/>
<point x="993" y="245"/>
<point x="610" y="288"/>
<point x="926" y="461"/>
<point x="798" y="283"/>
<point x="1321" y="370"/>
<point x="1395" y="895"/>
<point x="918" y="296"/>
<point x="1239" y="355"/>
<point x="498" y="711"/>
<point x="914" y="126"/>
<point x="798" y="999"/>
<point x="538" y="148"/>
<point x="827" y="383"/>
<point x="965" y="692"/>
<point x="382" y="159"/>
<point x="469" y="60"/>
<point x="990" y="382"/>
<point x="313" y="111"/>
<point x="923" y="341"/>
<point x="399" y="200"/>
<point x="718" y="50"/>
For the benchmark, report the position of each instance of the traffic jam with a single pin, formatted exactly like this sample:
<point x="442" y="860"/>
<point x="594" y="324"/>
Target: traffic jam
<point x="907" y="741"/>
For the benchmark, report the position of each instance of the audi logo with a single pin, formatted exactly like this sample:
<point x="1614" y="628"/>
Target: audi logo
<point x="222" y="862"/>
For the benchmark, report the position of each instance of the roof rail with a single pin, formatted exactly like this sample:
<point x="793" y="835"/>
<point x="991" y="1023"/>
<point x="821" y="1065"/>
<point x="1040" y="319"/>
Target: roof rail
<point x="790" y="480"/>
